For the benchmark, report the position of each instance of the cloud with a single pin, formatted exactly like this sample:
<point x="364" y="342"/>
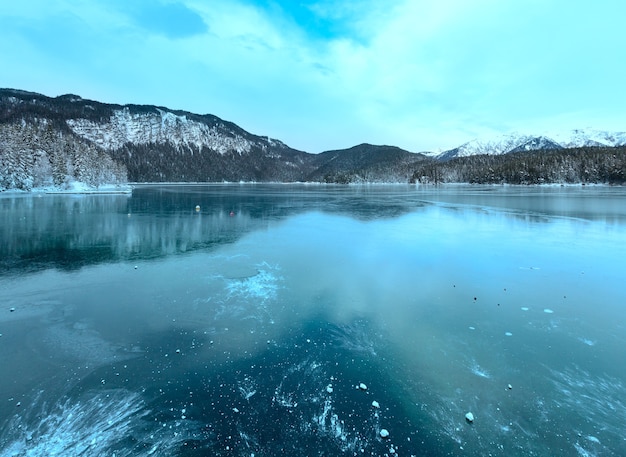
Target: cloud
<point x="174" y="20"/>
<point x="323" y="74"/>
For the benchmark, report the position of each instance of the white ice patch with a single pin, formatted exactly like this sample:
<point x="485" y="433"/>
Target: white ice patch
<point x="284" y="399"/>
<point x="582" y="451"/>
<point x="82" y="342"/>
<point x="328" y="423"/>
<point x="597" y="398"/>
<point x="105" y="423"/>
<point x="356" y="337"/>
<point x="447" y="422"/>
<point x="288" y="396"/>
<point x="587" y="341"/>
<point x="479" y="371"/>
<point x="263" y="286"/>
<point x="247" y="388"/>
<point x="250" y="297"/>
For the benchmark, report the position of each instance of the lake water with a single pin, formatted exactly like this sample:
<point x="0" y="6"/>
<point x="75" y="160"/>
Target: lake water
<point x="138" y="325"/>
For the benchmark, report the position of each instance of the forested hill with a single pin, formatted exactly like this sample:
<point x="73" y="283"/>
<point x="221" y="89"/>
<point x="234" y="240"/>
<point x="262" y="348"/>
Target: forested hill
<point x="587" y="165"/>
<point x="365" y="163"/>
<point x="55" y="142"/>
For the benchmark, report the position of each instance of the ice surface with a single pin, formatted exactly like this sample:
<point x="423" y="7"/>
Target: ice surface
<point x="277" y="324"/>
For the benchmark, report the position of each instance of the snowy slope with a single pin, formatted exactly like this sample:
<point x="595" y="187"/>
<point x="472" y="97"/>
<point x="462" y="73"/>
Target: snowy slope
<point x="159" y="127"/>
<point x="517" y="142"/>
<point x="590" y="137"/>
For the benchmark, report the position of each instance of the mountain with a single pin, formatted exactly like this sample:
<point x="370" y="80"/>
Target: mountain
<point x="364" y="163"/>
<point x="516" y="142"/>
<point x="150" y="143"/>
<point x="57" y="141"/>
<point x="539" y="143"/>
<point x="67" y="140"/>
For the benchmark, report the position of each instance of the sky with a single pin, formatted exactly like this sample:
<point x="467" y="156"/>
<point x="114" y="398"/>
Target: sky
<point x="423" y="75"/>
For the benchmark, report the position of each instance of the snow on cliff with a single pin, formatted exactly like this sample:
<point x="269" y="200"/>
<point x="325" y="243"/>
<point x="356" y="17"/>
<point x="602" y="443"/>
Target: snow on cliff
<point x="164" y="127"/>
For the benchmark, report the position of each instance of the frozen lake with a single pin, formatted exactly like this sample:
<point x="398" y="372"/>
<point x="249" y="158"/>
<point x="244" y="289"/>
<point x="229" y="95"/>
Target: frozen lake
<point x="140" y="325"/>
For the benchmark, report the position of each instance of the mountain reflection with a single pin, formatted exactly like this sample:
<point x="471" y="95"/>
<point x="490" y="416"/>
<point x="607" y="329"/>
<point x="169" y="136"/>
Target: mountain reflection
<point x="71" y="231"/>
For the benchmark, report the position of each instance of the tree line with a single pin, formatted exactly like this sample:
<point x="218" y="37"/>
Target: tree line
<point x="587" y="165"/>
<point x="37" y="148"/>
<point x="39" y="155"/>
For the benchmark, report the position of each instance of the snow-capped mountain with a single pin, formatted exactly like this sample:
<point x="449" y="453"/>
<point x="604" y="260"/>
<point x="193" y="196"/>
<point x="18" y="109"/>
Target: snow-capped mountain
<point x="518" y="142"/>
<point x="590" y="137"/>
<point x="151" y="143"/>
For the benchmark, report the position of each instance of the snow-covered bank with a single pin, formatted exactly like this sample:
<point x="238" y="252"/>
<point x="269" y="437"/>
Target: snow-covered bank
<point x="75" y="187"/>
